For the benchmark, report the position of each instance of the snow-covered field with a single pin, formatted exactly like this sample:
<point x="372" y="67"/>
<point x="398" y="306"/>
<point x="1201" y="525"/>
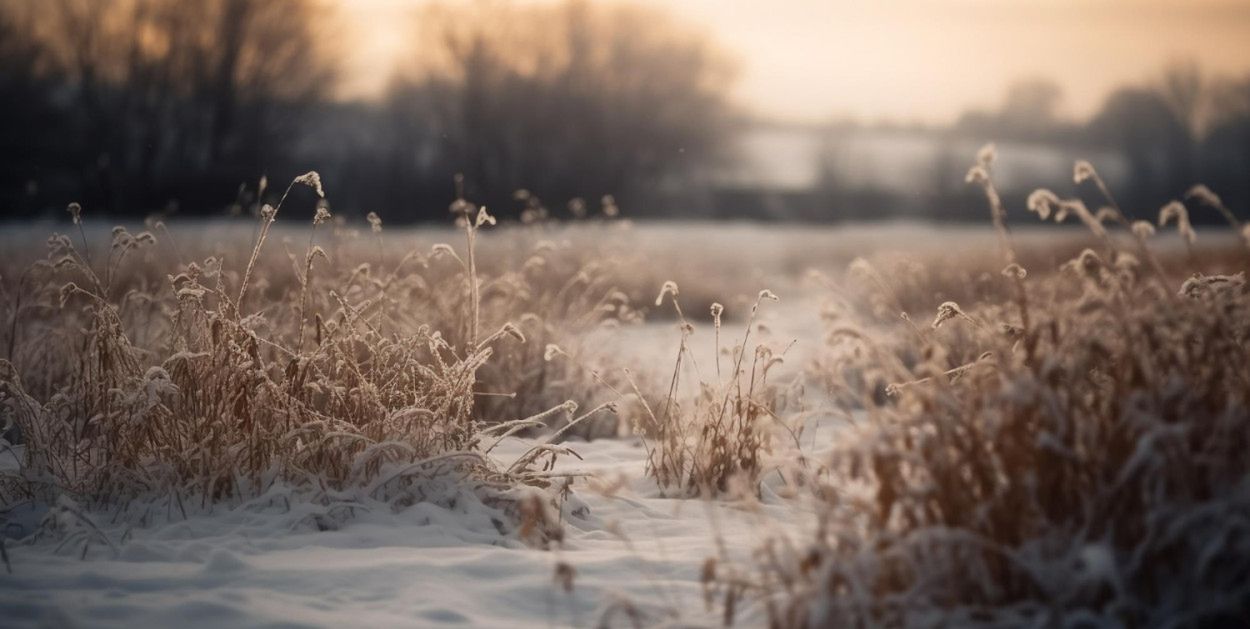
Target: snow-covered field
<point x="631" y="550"/>
<point x="630" y="556"/>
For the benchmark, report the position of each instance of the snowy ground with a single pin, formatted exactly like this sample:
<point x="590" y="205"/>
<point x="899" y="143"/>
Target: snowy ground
<point x="264" y="567"/>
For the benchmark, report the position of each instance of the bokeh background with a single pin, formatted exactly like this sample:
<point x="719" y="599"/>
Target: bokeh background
<point x="783" y="110"/>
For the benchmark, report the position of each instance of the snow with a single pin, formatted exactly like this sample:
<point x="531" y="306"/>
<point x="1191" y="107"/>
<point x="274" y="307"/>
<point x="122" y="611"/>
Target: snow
<point x="265" y="566"/>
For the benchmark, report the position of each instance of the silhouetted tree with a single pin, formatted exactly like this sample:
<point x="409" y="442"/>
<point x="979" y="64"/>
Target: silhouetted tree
<point x="1029" y="112"/>
<point x="1225" y="150"/>
<point x="573" y="100"/>
<point x="1152" y="138"/>
<point x="26" y="112"/>
<point x="166" y="98"/>
<point x="1031" y="106"/>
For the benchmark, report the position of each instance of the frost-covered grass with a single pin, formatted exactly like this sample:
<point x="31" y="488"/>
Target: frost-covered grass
<point x="1066" y="449"/>
<point x="304" y="422"/>
<point x="138" y="375"/>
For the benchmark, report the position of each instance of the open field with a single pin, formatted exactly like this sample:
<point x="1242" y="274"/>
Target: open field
<point x="299" y="421"/>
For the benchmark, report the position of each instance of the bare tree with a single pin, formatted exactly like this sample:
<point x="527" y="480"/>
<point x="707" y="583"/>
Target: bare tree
<point x="1184" y="89"/>
<point x="172" y="90"/>
<point x="571" y="100"/>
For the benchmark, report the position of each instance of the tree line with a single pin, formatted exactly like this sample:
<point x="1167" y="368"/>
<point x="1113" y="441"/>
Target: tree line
<point x="1180" y="128"/>
<point x="179" y="106"/>
<point x="135" y="106"/>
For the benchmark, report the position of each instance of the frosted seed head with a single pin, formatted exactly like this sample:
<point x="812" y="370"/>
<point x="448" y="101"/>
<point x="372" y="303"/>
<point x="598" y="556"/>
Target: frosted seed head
<point x="121" y="237"/>
<point x="484" y="218"/>
<point x="75" y="212"/>
<point x="322" y="215"/>
<point x="1204" y="195"/>
<point x="1014" y="271"/>
<point x="669" y="288"/>
<point x="1143" y="229"/>
<point x="1171" y="212"/>
<point x="511" y="330"/>
<point x="1106" y="213"/>
<point x="67" y="290"/>
<point x="1043" y="202"/>
<point x="1082" y="171"/>
<point x="1176" y="211"/>
<point x="313" y="180"/>
<point x="948" y="310"/>
<point x="375" y="222"/>
<point x="1087" y="264"/>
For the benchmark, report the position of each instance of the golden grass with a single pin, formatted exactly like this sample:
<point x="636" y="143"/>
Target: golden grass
<point x="339" y="371"/>
<point x="1069" y="448"/>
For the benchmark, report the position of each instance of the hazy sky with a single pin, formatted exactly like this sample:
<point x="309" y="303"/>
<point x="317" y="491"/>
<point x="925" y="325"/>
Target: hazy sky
<point x="908" y="60"/>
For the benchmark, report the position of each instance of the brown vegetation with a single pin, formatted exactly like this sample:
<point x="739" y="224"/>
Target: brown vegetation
<point x="1066" y="450"/>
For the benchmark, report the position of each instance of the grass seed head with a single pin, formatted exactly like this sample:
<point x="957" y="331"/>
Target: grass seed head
<point x="1043" y="202"/>
<point x="1175" y="211"/>
<point x="1082" y="171"/>
<point x="313" y="180"/>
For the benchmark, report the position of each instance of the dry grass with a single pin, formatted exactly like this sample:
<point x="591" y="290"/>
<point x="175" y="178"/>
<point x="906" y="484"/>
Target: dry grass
<point x="1068" y="452"/>
<point x="717" y="442"/>
<point x="339" y="371"/>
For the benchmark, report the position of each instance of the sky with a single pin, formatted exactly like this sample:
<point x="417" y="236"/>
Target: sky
<point x="904" y="61"/>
